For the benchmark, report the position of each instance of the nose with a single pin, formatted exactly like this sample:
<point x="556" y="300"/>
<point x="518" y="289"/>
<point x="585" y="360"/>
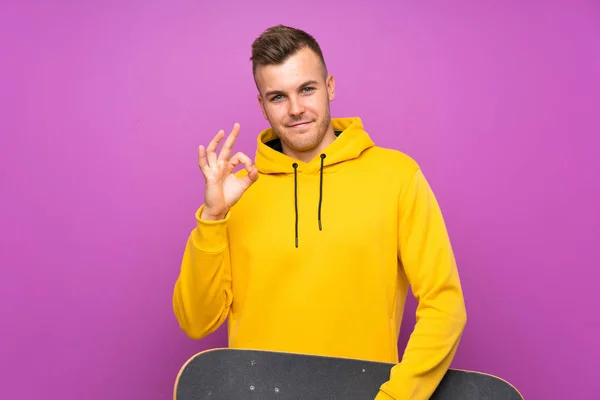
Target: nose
<point x="296" y="107"/>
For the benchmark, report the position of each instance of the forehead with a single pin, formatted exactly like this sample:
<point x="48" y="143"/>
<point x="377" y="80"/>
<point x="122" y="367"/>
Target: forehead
<point x="302" y="66"/>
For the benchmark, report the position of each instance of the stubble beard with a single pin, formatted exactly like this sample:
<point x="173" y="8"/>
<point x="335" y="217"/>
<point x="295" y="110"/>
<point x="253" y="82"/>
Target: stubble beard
<point x="302" y="145"/>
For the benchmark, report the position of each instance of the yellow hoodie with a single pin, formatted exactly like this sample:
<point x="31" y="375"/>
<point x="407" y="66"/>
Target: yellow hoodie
<point x="317" y="257"/>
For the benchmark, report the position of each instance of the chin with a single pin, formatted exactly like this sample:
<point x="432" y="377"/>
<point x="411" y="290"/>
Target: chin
<point x="306" y="145"/>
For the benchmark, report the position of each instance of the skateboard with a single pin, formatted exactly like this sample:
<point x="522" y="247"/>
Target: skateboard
<point x="232" y="374"/>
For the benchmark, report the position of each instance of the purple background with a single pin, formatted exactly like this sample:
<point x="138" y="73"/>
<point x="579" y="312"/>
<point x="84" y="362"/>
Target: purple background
<point x="102" y="107"/>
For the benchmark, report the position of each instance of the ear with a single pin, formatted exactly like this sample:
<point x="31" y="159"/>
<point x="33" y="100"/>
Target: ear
<point x="262" y="105"/>
<point x="330" y="87"/>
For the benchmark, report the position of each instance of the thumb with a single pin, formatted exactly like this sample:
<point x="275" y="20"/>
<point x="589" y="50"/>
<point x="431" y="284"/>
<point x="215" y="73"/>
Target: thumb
<point x="250" y="177"/>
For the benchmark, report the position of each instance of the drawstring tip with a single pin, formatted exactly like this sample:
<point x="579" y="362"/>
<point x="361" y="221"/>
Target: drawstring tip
<point x="296" y="242"/>
<point x="320" y="226"/>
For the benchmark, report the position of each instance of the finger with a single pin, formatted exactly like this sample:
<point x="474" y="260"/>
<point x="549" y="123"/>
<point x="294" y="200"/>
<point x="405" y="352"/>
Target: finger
<point x="237" y="159"/>
<point x="202" y="161"/>
<point x="250" y="178"/>
<point x="211" y="150"/>
<point x="228" y="144"/>
<point x="244" y="159"/>
<point x="253" y="174"/>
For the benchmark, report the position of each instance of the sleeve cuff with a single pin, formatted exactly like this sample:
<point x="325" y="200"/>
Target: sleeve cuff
<point x="210" y="236"/>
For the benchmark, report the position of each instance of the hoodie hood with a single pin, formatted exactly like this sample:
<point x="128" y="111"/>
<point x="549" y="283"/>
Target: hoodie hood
<point x="351" y="141"/>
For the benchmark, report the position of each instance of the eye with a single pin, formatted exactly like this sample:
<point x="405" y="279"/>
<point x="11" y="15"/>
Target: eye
<point x="277" y="97"/>
<point x="308" y="89"/>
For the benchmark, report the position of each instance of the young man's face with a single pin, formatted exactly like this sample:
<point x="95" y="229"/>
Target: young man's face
<point x="294" y="98"/>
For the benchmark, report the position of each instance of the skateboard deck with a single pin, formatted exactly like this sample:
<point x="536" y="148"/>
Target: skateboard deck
<point x="233" y="374"/>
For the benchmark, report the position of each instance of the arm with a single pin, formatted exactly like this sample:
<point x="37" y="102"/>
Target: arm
<point x="202" y="294"/>
<point x="426" y="255"/>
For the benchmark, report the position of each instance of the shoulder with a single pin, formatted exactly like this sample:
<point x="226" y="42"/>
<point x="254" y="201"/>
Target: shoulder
<point x="392" y="160"/>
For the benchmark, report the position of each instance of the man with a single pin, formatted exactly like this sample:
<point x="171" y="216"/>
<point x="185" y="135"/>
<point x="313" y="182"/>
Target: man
<point x="312" y="249"/>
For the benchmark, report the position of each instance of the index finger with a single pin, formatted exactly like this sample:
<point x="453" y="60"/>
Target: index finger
<point x="228" y="145"/>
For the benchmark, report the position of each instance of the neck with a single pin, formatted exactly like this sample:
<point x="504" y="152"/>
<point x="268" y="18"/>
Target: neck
<point x="307" y="156"/>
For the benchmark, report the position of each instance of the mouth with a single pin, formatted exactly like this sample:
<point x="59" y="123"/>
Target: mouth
<point x="299" y="124"/>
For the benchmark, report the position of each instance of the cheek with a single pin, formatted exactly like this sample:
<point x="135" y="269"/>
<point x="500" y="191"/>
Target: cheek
<point x="317" y="103"/>
<point x="276" y="113"/>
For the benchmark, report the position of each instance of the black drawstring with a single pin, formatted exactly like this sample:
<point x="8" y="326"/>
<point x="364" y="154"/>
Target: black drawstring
<point x="321" y="190"/>
<point x="295" y="166"/>
<point x="296" y="198"/>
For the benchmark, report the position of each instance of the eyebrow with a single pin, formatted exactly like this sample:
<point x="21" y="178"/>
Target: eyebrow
<point x="274" y="92"/>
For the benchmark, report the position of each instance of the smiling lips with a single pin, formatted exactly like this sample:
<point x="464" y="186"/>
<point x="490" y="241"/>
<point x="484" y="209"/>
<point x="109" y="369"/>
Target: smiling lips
<point x="300" y="124"/>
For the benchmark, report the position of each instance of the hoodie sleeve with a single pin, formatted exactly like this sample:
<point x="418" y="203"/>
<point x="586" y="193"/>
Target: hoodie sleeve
<point x="202" y="294"/>
<point x="426" y="255"/>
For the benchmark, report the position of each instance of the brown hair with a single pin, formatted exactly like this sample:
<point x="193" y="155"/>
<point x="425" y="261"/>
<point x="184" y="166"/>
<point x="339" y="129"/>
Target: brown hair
<point x="277" y="43"/>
